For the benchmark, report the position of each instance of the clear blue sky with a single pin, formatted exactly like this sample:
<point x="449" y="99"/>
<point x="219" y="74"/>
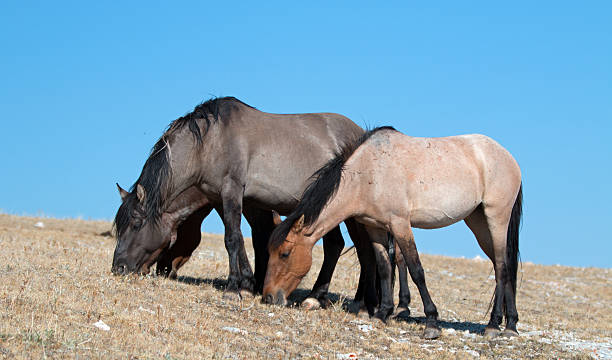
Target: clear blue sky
<point x="86" y="89"/>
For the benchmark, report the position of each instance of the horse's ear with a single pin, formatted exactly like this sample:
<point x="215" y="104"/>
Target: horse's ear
<point x="276" y="218"/>
<point x="122" y="192"/>
<point x="140" y="192"/>
<point x="298" y="225"/>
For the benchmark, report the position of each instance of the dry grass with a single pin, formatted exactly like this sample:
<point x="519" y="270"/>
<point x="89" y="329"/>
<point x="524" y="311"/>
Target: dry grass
<point x="55" y="284"/>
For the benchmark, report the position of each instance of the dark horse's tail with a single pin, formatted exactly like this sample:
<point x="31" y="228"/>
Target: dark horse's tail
<point x="512" y="240"/>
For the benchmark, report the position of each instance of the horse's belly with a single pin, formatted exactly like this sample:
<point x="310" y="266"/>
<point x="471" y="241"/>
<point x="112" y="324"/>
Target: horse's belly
<point x="436" y="218"/>
<point x="435" y="211"/>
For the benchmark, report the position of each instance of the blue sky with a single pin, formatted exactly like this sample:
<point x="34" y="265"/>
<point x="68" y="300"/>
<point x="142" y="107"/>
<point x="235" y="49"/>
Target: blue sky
<point x="87" y="89"/>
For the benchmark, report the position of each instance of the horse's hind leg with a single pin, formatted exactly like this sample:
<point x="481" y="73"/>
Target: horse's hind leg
<point x="490" y="229"/>
<point x="262" y="225"/>
<point x="188" y="237"/>
<point x="405" y="239"/>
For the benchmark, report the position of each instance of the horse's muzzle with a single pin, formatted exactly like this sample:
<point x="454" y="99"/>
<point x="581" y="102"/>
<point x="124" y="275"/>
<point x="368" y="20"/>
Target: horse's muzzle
<point x="119" y="269"/>
<point x="279" y="299"/>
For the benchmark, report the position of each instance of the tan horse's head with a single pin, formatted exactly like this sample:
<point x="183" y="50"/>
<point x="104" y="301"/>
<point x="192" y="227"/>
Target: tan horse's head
<point x="289" y="262"/>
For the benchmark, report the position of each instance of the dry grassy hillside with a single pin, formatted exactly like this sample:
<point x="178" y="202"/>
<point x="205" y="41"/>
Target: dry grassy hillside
<point x="55" y="283"/>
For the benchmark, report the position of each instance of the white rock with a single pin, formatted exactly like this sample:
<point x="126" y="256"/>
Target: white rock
<point x="365" y="328"/>
<point x="140" y="308"/>
<point x="235" y="330"/>
<point x="101" y="325"/>
<point x="39" y="225"/>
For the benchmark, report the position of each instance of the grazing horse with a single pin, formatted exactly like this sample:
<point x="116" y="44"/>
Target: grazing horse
<point x="228" y="156"/>
<point x="392" y="182"/>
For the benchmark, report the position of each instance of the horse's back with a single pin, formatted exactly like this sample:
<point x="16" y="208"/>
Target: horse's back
<point x="282" y="151"/>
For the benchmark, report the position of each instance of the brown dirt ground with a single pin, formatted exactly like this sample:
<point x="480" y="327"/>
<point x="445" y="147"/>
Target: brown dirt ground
<point x="55" y="283"/>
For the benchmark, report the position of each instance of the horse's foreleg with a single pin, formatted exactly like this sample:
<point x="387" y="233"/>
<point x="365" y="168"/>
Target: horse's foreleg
<point x="240" y="273"/>
<point x="262" y="225"/>
<point x="405" y="239"/>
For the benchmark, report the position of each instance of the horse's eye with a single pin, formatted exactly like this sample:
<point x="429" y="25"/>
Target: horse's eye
<point x="285" y="254"/>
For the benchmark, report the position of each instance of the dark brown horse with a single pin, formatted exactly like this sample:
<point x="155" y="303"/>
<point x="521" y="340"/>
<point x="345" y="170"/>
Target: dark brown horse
<point x="229" y="156"/>
<point x="391" y="182"/>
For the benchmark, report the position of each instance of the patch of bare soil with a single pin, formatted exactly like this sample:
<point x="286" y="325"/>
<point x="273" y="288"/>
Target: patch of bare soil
<point x="58" y="299"/>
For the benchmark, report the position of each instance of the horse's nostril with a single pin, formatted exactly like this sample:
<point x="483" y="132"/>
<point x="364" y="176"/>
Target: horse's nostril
<point x="269" y="299"/>
<point x="119" y="270"/>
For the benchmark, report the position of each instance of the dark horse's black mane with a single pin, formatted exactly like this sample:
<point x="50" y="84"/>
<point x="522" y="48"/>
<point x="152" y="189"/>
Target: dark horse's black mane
<point x="325" y="183"/>
<point x="156" y="173"/>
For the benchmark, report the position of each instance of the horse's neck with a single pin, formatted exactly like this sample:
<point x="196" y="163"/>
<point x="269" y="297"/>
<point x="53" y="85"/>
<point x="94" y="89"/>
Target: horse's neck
<point x="183" y="169"/>
<point x="339" y="208"/>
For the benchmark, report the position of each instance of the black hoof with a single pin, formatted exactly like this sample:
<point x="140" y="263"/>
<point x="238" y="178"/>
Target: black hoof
<point x="354" y="307"/>
<point x="402" y="313"/>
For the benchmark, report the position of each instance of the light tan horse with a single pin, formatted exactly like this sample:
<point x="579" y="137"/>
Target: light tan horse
<point x="388" y="181"/>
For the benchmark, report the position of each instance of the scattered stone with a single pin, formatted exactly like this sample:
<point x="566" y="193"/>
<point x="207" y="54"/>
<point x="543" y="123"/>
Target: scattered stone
<point x="365" y="328"/>
<point x="140" y="308"/>
<point x="101" y="325"/>
<point x="235" y="330"/>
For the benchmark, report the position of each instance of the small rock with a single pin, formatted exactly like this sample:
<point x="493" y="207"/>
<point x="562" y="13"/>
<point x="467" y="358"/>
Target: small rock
<point x="39" y="225"/>
<point x="101" y="325"/>
<point x="234" y="330"/>
<point x="365" y="328"/>
<point x="346" y="356"/>
<point x="140" y="308"/>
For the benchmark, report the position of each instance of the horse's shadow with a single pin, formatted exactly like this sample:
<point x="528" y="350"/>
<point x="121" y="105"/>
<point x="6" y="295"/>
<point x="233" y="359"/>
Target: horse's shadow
<point x="471" y="327"/>
<point x="298" y="295"/>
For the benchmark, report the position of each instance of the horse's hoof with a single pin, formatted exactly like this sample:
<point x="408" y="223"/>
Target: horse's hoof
<point x="172" y="275"/>
<point x="381" y="316"/>
<point x="431" y="333"/>
<point x="510" y="333"/>
<point x="231" y="296"/>
<point x="311" y="304"/>
<point x="354" y="307"/>
<point x="363" y="314"/>
<point x="402" y="312"/>
<point x="491" y="332"/>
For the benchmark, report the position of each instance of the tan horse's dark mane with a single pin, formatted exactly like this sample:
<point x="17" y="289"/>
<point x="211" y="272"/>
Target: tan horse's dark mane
<point x="325" y="183"/>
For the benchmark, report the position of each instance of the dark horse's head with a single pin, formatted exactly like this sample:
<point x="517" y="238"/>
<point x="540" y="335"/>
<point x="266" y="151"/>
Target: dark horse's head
<point x="140" y="240"/>
<point x="143" y="231"/>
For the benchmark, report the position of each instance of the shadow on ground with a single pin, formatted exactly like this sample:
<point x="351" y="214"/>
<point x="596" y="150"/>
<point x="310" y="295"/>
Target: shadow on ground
<point x="299" y="295"/>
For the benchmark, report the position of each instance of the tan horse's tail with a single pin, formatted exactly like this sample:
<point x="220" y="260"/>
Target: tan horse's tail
<point x="512" y="240"/>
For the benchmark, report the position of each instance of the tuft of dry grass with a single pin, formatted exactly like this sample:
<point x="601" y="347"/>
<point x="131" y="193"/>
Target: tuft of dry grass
<point x="56" y="283"/>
